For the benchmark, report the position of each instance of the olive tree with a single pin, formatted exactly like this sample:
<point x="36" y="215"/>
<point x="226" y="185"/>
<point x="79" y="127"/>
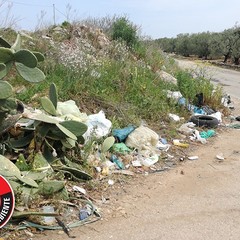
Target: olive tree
<point x="201" y="44"/>
<point x="184" y="45"/>
<point x="226" y="43"/>
<point x="236" y="45"/>
<point x="167" y="44"/>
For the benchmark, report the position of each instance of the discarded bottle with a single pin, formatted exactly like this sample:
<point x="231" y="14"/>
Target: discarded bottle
<point x="193" y="158"/>
<point x="85" y="212"/>
<point x="163" y="140"/>
<point x="176" y="142"/>
<point x="115" y="159"/>
<point x="48" y="220"/>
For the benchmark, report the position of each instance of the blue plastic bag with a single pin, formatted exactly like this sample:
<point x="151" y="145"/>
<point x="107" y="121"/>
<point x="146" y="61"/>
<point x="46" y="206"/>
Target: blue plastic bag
<point x="121" y="134"/>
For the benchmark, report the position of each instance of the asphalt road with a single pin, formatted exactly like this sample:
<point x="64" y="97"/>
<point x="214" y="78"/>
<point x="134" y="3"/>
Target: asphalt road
<point x="229" y="79"/>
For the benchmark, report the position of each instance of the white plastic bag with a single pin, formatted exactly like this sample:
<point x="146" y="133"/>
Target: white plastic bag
<point x="150" y="161"/>
<point x="218" y="116"/>
<point x="187" y="128"/>
<point x="98" y="126"/>
<point x="142" y="138"/>
<point x="174" y="117"/>
<point x="70" y="111"/>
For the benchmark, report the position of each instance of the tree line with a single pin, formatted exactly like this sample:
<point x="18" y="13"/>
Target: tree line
<point x="206" y="45"/>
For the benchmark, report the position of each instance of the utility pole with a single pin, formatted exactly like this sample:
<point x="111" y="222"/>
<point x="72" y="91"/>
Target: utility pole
<point x="54" y="16"/>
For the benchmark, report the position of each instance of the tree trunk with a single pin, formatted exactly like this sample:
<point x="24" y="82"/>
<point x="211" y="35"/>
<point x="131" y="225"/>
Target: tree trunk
<point x="226" y="58"/>
<point x="236" y="60"/>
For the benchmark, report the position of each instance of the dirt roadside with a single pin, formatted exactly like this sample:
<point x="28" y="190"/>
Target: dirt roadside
<point x="195" y="200"/>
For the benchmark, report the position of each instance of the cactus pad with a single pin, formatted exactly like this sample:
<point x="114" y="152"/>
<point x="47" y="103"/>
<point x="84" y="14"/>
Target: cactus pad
<point x="30" y="74"/>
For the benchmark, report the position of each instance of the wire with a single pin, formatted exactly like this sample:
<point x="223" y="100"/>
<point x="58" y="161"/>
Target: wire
<point x="29" y="4"/>
<point x="60" y="12"/>
<point x="36" y="5"/>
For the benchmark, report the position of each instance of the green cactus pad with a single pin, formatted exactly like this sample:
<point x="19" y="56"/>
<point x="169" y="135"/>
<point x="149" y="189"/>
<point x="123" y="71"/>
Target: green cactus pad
<point x="30" y="74"/>
<point x="66" y="131"/>
<point x="77" y="128"/>
<point x="9" y="104"/>
<point x="2" y="67"/>
<point x="21" y="142"/>
<point x="53" y="95"/>
<point x="30" y="182"/>
<point x="6" y="90"/>
<point x="40" y="57"/>
<point x="77" y="173"/>
<point x="6" y="55"/>
<point x="68" y="143"/>
<point x="42" y="117"/>
<point x="8" y="168"/>
<point x="107" y="144"/>
<point x="4" y="43"/>
<point x="26" y="57"/>
<point x="17" y="45"/>
<point x="4" y="72"/>
<point x="50" y="187"/>
<point x="48" y="106"/>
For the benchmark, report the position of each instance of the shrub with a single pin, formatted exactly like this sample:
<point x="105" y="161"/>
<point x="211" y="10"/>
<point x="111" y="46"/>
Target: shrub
<point x="190" y="87"/>
<point x="124" y="30"/>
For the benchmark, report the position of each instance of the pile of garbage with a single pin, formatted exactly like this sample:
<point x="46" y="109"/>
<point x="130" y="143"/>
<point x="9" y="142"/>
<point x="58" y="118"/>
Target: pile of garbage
<point x="50" y="146"/>
<point x="48" y="154"/>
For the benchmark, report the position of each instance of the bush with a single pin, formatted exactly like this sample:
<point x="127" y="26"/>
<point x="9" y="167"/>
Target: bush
<point x="124" y="30"/>
<point x="190" y="87"/>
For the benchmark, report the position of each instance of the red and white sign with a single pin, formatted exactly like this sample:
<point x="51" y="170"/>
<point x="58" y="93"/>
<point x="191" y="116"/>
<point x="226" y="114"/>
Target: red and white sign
<point x="7" y="201"/>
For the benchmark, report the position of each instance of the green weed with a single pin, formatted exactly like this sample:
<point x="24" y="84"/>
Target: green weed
<point x="190" y="86"/>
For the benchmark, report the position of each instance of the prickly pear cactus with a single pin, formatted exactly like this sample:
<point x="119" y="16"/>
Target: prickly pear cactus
<point x="23" y="60"/>
<point x="25" y="63"/>
<point x="71" y="129"/>
<point x="6" y="90"/>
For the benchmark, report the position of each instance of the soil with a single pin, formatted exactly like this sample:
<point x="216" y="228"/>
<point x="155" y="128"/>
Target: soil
<point x="197" y="199"/>
<point x="193" y="200"/>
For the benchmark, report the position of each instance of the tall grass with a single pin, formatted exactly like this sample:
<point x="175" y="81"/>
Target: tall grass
<point x="120" y="80"/>
<point x="190" y="87"/>
<point x="130" y="88"/>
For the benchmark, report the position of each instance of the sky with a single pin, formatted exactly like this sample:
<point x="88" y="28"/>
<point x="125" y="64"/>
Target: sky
<point x="156" y="18"/>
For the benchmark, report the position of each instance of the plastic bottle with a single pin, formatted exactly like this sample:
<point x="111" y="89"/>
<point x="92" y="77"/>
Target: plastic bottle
<point x="115" y="159"/>
<point x="48" y="209"/>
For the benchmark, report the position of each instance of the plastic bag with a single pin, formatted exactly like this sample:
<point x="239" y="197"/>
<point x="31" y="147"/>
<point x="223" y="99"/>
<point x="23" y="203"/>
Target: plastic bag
<point x="69" y="110"/>
<point x="187" y="128"/>
<point x="98" y="126"/>
<point x="121" y="134"/>
<point x="207" y="134"/>
<point x="142" y="138"/>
